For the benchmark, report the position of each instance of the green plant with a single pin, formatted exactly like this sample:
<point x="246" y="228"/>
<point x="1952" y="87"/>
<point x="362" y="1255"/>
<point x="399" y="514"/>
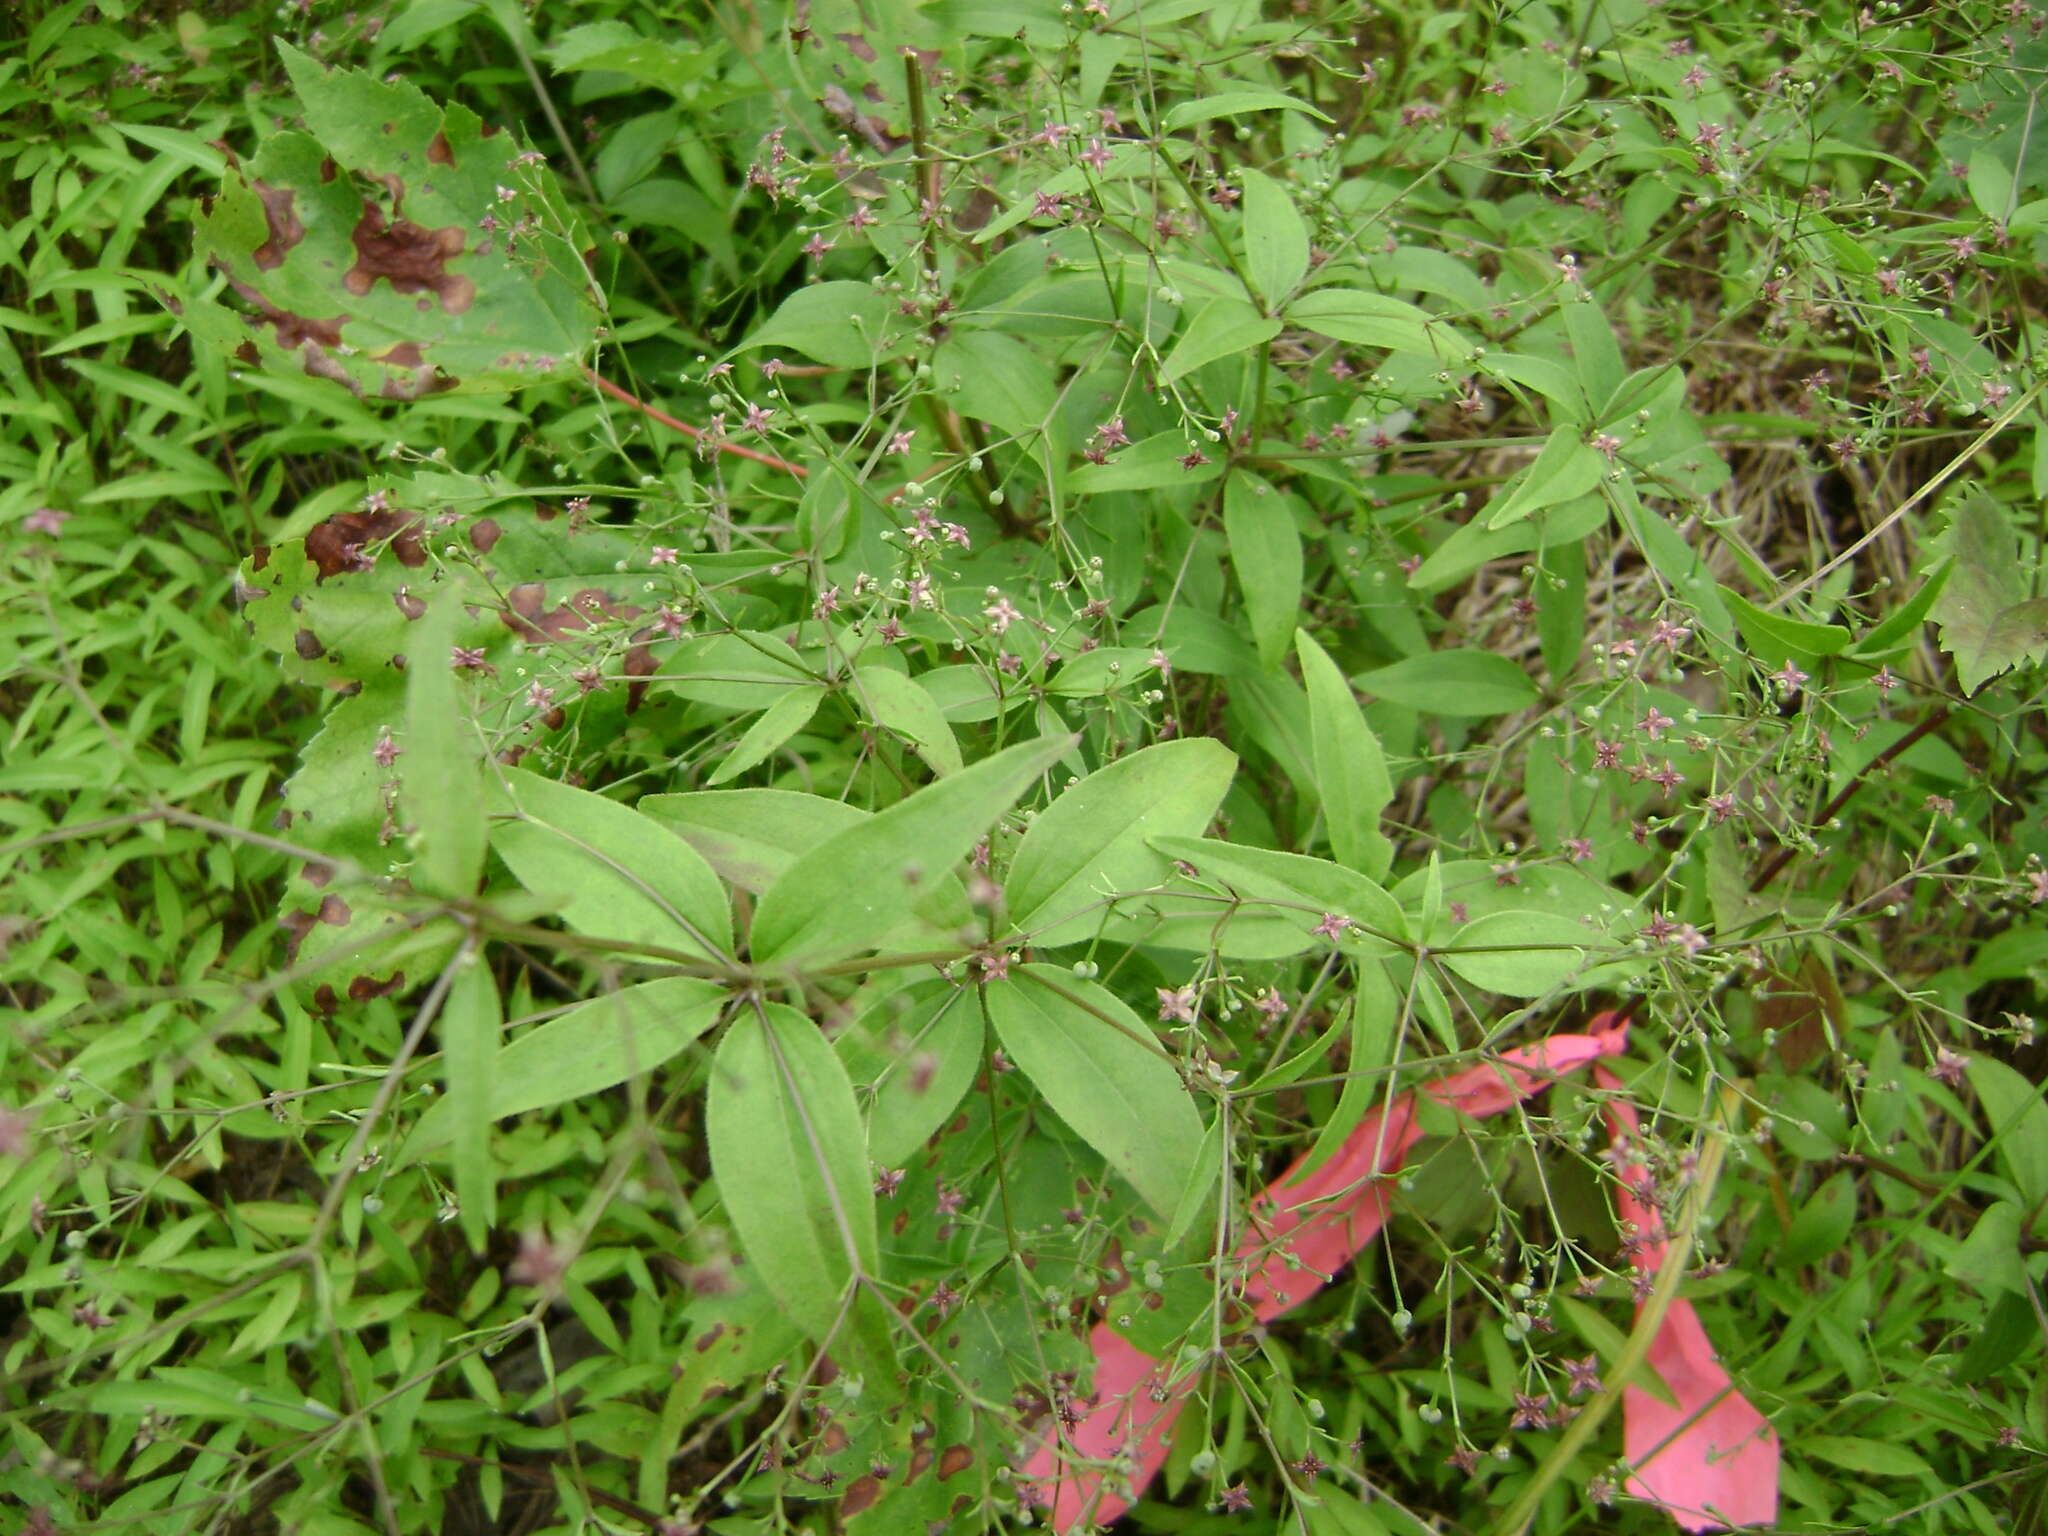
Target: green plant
<point x="905" y="646"/>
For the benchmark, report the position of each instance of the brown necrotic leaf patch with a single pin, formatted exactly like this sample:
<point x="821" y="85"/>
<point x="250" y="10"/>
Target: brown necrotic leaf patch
<point x="341" y="543"/>
<point x="860" y="1494"/>
<point x="327" y="1002"/>
<point x="293" y="331"/>
<point x="528" y="616"/>
<point x="408" y="256"/>
<point x="280" y="212"/>
<point x="408" y="374"/>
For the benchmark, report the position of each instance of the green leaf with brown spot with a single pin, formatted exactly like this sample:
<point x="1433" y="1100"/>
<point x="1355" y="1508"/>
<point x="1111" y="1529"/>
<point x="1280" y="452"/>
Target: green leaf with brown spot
<point x="397" y="247"/>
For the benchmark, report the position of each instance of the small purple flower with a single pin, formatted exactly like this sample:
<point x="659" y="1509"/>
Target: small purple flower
<point x="1531" y="1412"/>
<point x="1333" y="926"/>
<point x="14" y="1129"/>
<point x="538" y="1263"/>
<point x="1948" y="1067"/>
<point x="46" y="520"/>
<point x="1666" y="633"/>
<point x="1584" y="1375"/>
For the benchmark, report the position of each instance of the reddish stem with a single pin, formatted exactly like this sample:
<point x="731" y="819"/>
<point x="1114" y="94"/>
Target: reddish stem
<point x="695" y="434"/>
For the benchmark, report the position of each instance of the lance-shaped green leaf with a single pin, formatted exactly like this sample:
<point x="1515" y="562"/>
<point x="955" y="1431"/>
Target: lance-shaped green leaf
<point x="843" y="324"/>
<point x="1093" y="840"/>
<point x="1566" y="466"/>
<point x="1235" y="103"/>
<point x="903" y="704"/>
<point x="470" y="1023"/>
<point x="1519" y="954"/>
<point x="442" y="780"/>
<point x="1351" y="771"/>
<point x="1376" y="320"/>
<point x="1375" y="1020"/>
<point x="779" y="721"/>
<point x="1275" y="238"/>
<point x="1265" y="551"/>
<point x="1458" y="682"/>
<point x="751" y="837"/>
<point x="917" y="1052"/>
<point x="791" y="1162"/>
<point x="1300" y="891"/>
<point x="1104" y="1074"/>
<point x="1773" y="637"/>
<point x="398" y="248"/>
<point x="1221" y="328"/>
<point x="855" y="888"/>
<point x="617" y="873"/>
<point x="594" y="1046"/>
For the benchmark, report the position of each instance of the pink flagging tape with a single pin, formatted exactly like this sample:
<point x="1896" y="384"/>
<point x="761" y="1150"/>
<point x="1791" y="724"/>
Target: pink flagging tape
<point x="1711" y="1461"/>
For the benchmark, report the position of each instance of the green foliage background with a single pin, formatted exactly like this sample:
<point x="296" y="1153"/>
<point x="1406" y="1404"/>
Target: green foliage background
<point x="712" y="712"/>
